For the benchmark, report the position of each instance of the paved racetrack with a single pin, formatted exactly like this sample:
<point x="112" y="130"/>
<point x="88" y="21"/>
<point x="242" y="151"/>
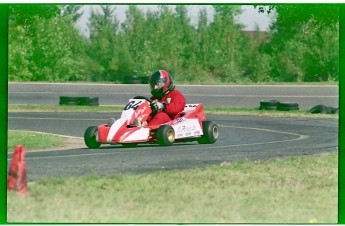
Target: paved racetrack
<point x="241" y="137"/>
<point x="247" y="96"/>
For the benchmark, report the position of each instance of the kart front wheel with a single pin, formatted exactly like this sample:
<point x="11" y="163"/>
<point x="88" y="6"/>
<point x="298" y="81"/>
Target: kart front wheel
<point x="211" y="133"/>
<point x="165" y="135"/>
<point x="90" y="137"/>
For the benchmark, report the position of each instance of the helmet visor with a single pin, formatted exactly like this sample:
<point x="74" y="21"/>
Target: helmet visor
<point x="157" y="84"/>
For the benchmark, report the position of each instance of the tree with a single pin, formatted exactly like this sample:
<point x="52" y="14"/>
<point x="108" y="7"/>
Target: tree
<point x="73" y="10"/>
<point x="44" y="48"/>
<point x="19" y="52"/>
<point x="186" y="39"/>
<point x="226" y="44"/>
<point x="104" y="45"/>
<point x="255" y="63"/>
<point x="304" y="44"/>
<point x="311" y="55"/>
<point x="25" y="14"/>
<point x="57" y="50"/>
<point x="138" y="35"/>
<point x="203" y="38"/>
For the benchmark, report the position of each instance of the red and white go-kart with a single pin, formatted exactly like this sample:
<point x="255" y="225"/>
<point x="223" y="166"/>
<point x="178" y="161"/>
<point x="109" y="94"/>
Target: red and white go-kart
<point x="188" y="125"/>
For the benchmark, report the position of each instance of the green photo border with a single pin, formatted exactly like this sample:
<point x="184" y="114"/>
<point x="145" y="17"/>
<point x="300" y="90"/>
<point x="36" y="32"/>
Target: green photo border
<point x="341" y="137"/>
<point x="4" y="113"/>
<point x="3" y="109"/>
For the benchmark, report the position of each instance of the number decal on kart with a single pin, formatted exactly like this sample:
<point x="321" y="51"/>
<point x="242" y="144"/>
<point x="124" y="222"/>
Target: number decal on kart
<point x="132" y="105"/>
<point x="190" y="107"/>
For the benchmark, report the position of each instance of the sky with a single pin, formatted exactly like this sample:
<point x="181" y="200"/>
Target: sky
<point x="249" y="17"/>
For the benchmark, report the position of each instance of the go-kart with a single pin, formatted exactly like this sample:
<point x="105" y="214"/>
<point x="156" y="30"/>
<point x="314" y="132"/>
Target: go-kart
<point x="188" y="125"/>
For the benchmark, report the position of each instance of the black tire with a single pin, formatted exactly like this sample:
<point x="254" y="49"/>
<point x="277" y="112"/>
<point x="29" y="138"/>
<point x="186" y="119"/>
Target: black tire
<point x="318" y="109"/>
<point x="144" y="79"/>
<point x="165" y="135"/>
<point x="332" y="110"/>
<point x="83" y="101"/>
<point x="268" y="107"/>
<point x="88" y="101"/>
<point x="64" y="100"/>
<point x="322" y="109"/>
<point x="132" y="79"/>
<point x="211" y="133"/>
<point x="90" y="137"/>
<point x="287" y="106"/>
<point x="268" y="104"/>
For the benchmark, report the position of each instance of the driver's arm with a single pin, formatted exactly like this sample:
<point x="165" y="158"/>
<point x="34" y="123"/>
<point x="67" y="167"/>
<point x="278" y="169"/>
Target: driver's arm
<point x="176" y="103"/>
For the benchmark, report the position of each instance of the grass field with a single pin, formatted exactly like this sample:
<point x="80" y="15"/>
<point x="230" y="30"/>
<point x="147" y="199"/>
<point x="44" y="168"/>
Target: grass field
<point x="33" y="140"/>
<point x="289" y="190"/>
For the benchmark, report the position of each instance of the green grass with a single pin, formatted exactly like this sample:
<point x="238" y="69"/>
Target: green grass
<point x="32" y="140"/>
<point x="223" y="110"/>
<point x="291" y="190"/>
<point x="62" y="108"/>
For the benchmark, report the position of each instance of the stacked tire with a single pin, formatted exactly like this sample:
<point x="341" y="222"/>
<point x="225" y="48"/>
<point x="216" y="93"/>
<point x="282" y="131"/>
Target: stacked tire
<point x="276" y="105"/>
<point x="287" y="106"/>
<point x="134" y="79"/>
<point x="268" y="104"/>
<point x="80" y="101"/>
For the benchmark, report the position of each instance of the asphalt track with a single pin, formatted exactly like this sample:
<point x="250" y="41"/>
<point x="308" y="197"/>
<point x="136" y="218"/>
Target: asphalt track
<point x="241" y="138"/>
<point x="235" y="96"/>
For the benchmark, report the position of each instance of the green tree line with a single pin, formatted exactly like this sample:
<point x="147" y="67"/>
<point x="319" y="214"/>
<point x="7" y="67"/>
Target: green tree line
<point x="302" y="44"/>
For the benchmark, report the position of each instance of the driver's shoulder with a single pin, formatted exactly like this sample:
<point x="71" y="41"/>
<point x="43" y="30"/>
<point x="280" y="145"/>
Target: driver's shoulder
<point x="175" y="92"/>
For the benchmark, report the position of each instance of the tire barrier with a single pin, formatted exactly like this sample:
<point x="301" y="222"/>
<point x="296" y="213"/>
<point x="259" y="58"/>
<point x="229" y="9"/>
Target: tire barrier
<point x="268" y="104"/>
<point x="277" y="105"/>
<point x="81" y="101"/>
<point x="287" y="106"/>
<point x="322" y="109"/>
<point x="134" y="79"/>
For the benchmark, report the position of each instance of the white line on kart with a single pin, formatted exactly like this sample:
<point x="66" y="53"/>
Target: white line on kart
<point x="299" y="137"/>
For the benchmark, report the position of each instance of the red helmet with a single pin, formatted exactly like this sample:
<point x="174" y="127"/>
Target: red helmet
<point x="161" y="83"/>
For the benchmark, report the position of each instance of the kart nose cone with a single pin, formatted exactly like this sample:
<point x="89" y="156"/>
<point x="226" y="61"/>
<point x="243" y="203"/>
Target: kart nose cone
<point x="110" y="121"/>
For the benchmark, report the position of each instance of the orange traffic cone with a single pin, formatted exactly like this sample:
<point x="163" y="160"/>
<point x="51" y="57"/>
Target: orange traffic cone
<point x="16" y="180"/>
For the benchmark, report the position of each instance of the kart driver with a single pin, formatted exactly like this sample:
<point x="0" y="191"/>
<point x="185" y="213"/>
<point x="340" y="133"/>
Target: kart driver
<point x="166" y="100"/>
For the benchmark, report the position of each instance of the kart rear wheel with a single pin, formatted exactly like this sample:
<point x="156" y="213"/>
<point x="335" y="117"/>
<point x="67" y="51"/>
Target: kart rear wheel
<point x="165" y="135"/>
<point x="211" y="133"/>
<point x="90" y="137"/>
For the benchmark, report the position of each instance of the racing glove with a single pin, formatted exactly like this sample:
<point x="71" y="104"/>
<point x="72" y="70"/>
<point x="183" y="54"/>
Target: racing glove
<point x="155" y="105"/>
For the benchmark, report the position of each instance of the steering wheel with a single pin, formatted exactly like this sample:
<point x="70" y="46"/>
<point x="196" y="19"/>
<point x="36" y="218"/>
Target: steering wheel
<point x="142" y="97"/>
<point x="148" y="100"/>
